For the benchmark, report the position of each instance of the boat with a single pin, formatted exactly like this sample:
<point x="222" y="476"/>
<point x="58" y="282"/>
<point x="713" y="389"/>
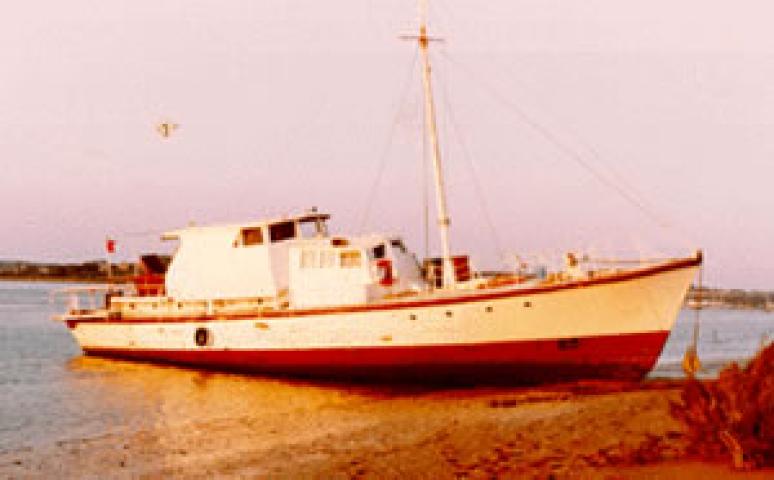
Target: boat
<point x="285" y="296"/>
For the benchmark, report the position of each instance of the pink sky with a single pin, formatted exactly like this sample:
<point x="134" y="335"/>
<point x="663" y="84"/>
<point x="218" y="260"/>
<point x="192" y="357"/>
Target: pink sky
<point x="284" y="105"/>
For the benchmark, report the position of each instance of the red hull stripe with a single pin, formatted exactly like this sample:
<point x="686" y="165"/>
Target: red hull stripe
<point x="483" y="296"/>
<point x="629" y="356"/>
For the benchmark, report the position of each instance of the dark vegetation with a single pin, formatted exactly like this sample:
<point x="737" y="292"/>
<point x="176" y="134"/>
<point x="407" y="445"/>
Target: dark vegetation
<point x="732" y="417"/>
<point x="91" y="271"/>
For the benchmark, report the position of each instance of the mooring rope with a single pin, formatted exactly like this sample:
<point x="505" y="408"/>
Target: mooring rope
<point x="691" y="362"/>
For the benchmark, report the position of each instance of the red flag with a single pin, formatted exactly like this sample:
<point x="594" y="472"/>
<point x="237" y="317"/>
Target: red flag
<point x="110" y="245"/>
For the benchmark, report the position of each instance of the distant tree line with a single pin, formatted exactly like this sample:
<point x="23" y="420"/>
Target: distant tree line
<point x="96" y="270"/>
<point x="734" y="298"/>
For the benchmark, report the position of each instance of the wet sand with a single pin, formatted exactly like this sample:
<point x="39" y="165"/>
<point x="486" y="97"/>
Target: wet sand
<point x="591" y="430"/>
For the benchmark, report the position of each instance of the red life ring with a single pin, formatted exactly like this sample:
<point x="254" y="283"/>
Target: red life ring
<point x="384" y="272"/>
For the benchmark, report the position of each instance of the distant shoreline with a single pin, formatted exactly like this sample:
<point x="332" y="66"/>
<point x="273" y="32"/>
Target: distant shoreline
<point x="733" y="299"/>
<point x="94" y="271"/>
<point x="62" y="279"/>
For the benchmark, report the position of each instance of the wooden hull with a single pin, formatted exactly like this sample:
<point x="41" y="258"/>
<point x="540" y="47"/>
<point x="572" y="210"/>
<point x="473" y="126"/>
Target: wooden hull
<point x="612" y="327"/>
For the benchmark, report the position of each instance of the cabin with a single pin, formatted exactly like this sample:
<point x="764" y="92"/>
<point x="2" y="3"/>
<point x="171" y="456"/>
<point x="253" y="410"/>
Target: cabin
<point x="237" y="261"/>
<point x="290" y="258"/>
<point x="350" y="270"/>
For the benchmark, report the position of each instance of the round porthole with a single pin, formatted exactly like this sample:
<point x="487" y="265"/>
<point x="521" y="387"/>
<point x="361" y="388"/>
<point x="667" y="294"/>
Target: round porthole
<point x="202" y="337"/>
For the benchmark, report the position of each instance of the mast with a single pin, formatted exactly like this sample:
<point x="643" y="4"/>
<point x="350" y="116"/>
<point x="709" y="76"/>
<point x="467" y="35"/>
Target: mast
<point x="440" y="191"/>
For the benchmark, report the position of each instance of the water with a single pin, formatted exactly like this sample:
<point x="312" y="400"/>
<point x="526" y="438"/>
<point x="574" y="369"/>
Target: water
<point x="724" y="336"/>
<point x="49" y="393"/>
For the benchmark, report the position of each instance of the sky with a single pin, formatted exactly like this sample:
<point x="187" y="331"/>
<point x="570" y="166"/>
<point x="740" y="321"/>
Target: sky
<point x="606" y="127"/>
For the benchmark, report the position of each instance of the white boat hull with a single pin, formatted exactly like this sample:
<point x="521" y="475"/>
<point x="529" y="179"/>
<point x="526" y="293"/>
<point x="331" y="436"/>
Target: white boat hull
<point x="612" y="326"/>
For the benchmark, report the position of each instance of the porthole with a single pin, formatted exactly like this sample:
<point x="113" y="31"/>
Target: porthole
<point x="202" y="337"/>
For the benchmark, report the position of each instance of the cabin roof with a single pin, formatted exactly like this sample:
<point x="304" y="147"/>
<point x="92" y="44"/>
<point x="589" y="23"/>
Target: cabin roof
<point x="234" y="227"/>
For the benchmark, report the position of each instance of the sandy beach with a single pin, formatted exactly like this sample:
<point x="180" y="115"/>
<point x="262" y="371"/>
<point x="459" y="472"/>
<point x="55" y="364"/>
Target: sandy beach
<point x="587" y="430"/>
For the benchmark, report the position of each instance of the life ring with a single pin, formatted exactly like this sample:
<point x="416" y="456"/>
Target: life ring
<point x="384" y="272"/>
<point x="202" y="337"/>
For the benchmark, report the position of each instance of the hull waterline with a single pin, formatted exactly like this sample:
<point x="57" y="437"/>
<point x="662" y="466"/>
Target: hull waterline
<point x="619" y="357"/>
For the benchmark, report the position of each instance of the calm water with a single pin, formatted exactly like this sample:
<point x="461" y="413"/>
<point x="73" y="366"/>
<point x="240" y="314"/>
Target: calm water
<point x="49" y="392"/>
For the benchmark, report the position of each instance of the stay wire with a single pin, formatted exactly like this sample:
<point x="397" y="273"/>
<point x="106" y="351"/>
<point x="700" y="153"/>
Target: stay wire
<point x="472" y="170"/>
<point x="685" y="236"/>
<point x="562" y="146"/>
<point x="594" y="154"/>
<point x="388" y="145"/>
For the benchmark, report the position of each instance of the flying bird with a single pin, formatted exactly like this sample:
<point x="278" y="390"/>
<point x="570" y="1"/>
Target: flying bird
<point x="166" y="129"/>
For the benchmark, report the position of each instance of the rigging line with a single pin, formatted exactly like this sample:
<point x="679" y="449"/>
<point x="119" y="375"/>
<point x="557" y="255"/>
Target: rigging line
<point x="473" y="171"/>
<point x="562" y="146"/>
<point x="593" y="152"/>
<point x="388" y="144"/>
<point x="666" y="222"/>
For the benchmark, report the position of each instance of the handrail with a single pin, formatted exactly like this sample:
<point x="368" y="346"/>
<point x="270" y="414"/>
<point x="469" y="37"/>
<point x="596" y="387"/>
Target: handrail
<point x="74" y="297"/>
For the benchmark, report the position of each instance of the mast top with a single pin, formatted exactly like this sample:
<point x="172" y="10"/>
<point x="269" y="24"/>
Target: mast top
<point x="421" y="37"/>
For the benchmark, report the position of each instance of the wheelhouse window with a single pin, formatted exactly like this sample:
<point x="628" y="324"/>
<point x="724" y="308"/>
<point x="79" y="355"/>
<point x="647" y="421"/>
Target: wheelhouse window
<point x="252" y="236"/>
<point x="327" y="259"/>
<point x="350" y="259"/>
<point x="378" y="251"/>
<point x="312" y="258"/>
<point x="311" y="228"/>
<point x="398" y="243"/>
<point x="282" y="231"/>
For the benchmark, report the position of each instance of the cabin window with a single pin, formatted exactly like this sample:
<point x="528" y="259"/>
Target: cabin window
<point x="378" y="251"/>
<point x="309" y="259"/>
<point x="350" y="259"/>
<point x="311" y="228"/>
<point x="398" y="243"/>
<point x="339" y="242"/>
<point x="327" y="259"/>
<point x="318" y="258"/>
<point x="282" y="231"/>
<point x="252" y="236"/>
